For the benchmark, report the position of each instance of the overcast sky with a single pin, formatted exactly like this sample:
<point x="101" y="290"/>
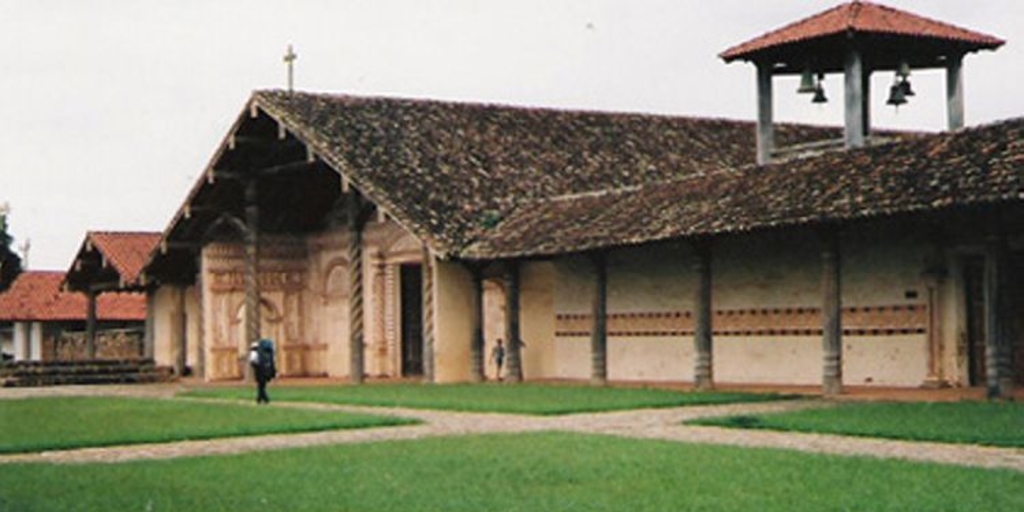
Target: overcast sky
<point x="109" y="110"/>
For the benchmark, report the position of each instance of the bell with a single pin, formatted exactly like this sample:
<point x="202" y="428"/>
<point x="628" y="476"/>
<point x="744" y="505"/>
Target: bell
<point x="807" y="85"/>
<point x="819" y="95"/>
<point x="905" y="87"/>
<point x="896" y="95"/>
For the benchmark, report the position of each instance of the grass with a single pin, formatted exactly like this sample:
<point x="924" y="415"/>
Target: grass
<point x="531" y="399"/>
<point x="556" y="472"/>
<point x="994" y="424"/>
<point x="39" y="424"/>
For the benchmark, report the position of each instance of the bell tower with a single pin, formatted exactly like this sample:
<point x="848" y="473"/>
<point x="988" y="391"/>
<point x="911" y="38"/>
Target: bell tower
<point x="856" y="39"/>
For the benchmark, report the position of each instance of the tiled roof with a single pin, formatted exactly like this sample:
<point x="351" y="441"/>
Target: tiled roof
<point x="970" y="167"/>
<point x="862" y="18"/>
<point x="128" y="252"/>
<point x="450" y="171"/>
<point x="37" y="296"/>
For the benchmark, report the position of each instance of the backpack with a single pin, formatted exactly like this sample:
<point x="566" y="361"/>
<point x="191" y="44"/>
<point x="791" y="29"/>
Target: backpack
<point x="265" y="361"/>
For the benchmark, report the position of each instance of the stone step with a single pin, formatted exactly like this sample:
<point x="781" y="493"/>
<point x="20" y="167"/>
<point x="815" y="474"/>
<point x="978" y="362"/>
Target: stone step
<point x="59" y="373"/>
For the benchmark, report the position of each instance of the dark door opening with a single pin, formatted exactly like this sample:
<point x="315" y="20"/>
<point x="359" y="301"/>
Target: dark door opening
<point x="412" y="320"/>
<point x="974" y="299"/>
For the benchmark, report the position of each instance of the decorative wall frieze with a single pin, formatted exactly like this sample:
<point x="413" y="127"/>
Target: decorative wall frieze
<point x="856" y="321"/>
<point x="224" y="281"/>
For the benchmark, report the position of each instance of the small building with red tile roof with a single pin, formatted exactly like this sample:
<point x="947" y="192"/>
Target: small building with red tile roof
<point x="108" y="261"/>
<point x="39" y="317"/>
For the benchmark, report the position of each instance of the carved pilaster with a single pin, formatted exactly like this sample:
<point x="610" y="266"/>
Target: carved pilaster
<point x="378" y="338"/>
<point x="390" y="320"/>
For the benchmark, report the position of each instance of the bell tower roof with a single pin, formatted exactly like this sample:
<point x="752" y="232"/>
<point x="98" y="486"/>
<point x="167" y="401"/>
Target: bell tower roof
<point x="884" y="34"/>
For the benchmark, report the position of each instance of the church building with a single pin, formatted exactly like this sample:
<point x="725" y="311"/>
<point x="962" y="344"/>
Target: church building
<point x="384" y="237"/>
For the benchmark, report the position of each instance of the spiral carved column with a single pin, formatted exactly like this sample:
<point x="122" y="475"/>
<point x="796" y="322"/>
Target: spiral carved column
<point x="355" y="295"/>
<point x="428" y="316"/>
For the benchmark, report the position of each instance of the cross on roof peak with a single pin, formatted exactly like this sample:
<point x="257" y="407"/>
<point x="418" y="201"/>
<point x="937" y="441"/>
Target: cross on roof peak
<point x="289" y="59"/>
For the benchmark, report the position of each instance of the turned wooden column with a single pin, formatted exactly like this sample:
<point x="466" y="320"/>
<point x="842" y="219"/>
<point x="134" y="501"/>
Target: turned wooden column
<point x="477" y="321"/>
<point x="428" y="315"/>
<point x="831" y="313"/>
<point x="512" y="332"/>
<point x="378" y="338"/>
<point x="90" y="324"/>
<point x="998" y="363"/>
<point x="252" y="281"/>
<point x="599" y="317"/>
<point x="703" y="375"/>
<point x="357" y="343"/>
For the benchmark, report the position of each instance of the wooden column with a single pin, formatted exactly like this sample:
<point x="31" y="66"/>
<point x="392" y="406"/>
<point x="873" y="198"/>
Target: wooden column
<point x="599" y="328"/>
<point x="90" y="324"/>
<point x="477" y="320"/>
<point x="765" y="133"/>
<point x="512" y="331"/>
<point x="703" y="374"/>
<point x="181" y="328"/>
<point x="428" y="316"/>
<point x="252" y="281"/>
<point x="831" y="313"/>
<point x="357" y="343"/>
<point x="998" y="319"/>
<point x="150" y="333"/>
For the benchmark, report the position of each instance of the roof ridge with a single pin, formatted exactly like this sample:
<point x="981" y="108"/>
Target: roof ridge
<point x="488" y="104"/>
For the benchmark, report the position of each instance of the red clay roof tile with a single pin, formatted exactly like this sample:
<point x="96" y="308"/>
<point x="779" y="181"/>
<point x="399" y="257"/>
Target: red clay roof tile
<point x="128" y="252"/>
<point x="863" y="18"/>
<point x="37" y="296"/>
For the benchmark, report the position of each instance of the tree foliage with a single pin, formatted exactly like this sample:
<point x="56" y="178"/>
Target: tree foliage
<point x="10" y="262"/>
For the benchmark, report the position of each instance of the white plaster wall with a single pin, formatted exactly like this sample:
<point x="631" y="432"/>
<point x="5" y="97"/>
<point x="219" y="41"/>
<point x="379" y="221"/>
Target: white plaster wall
<point x="776" y="360"/>
<point x="453" y="328"/>
<point x="194" y="327"/>
<point x="537" y="314"/>
<point x="881" y="265"/>
<point x="20" y="340"/>
<point x="35" y="346"/>
<point x="165" y="300"/>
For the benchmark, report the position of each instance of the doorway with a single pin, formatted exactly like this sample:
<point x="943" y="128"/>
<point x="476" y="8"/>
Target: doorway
<point x="411" y="279"/>
<point x="974" y="300"/>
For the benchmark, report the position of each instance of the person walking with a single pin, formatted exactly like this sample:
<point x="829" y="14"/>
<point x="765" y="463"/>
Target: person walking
<point x="261" y="359"/>
<point x="498" y="356"/>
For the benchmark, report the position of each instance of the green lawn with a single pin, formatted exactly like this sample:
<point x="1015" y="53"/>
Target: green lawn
<point x="39" y="424"/>
<point x="505" y="398"/>
<point x="550" y="472"/>
<point x="995" y="424"/>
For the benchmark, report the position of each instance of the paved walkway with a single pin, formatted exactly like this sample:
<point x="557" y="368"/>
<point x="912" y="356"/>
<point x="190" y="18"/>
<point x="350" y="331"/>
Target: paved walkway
<point x="664" y="424"/>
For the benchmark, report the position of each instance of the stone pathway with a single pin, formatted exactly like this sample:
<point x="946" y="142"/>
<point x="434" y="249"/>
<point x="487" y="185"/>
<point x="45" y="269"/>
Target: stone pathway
<point x="663" y="424"/>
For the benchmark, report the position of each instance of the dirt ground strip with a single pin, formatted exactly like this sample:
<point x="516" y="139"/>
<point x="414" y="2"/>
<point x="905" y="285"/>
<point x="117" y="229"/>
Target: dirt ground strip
<point x="663" y="424"/>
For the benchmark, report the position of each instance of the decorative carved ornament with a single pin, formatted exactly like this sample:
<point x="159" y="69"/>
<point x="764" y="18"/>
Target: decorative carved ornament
<point x="856" y="321"/>
<point x="270" y="281"/>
